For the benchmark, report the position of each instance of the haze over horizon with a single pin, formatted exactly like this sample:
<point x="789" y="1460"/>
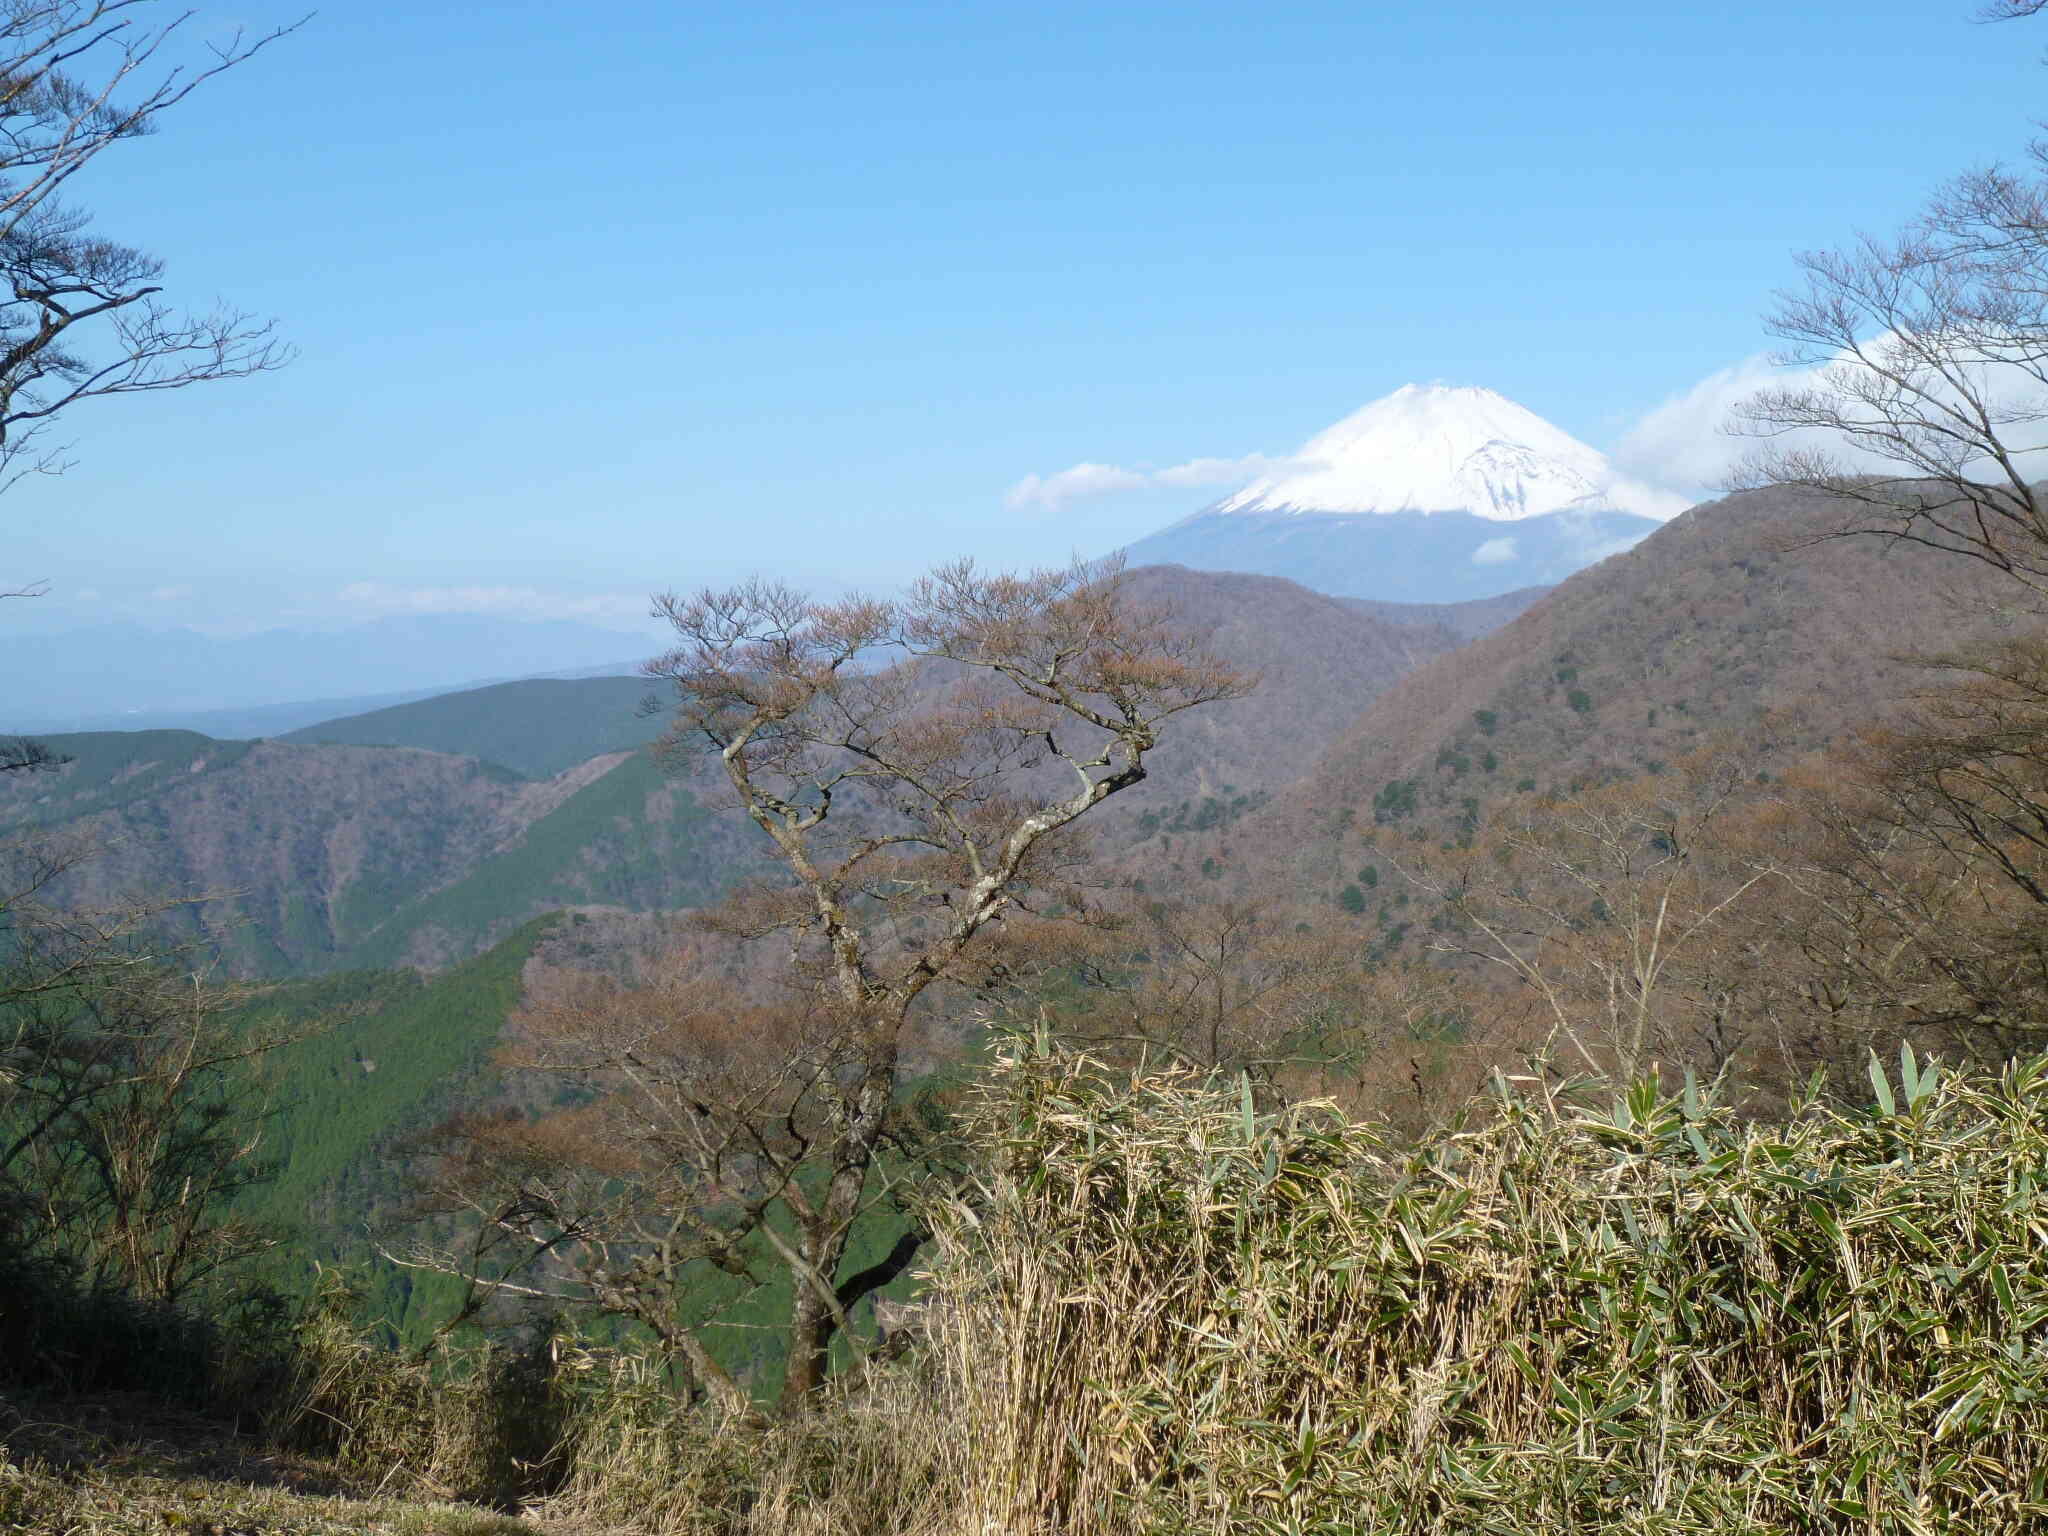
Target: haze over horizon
<point x="647" y="298"/>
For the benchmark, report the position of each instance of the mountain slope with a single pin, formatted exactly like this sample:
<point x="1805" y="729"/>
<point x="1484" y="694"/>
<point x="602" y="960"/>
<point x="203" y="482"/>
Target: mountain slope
<point x="1319" y="662"/>
<point x="537" y="728"/>
<point x="324" y="853"/>
<point x="311" y="857"/>
<point x="1467" y="620"/>
<point x="1734" y="611"/>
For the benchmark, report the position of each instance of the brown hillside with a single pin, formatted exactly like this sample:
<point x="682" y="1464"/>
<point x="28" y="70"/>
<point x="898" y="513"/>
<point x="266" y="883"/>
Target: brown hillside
<point x="1732" y="612"/>
<point x="1468" y="620"/>
<point x="314" y="856"/>
<point x="289" y="829"/>
<point x="1320" y="660"/>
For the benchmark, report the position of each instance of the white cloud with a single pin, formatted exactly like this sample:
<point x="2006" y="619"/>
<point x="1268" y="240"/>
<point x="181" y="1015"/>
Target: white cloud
<point x="169" y="594"/>
<point x="1052" y="492"/>
<point x="376" y="597"/>
<point x="1686" y="441"/>
<point x="1683" y="442"/>
<point x="1496" y="552"/>
<point x="1628" y="494"/>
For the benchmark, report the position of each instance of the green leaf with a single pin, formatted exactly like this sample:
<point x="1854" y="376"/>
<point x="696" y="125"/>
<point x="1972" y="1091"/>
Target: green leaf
<point x="1882" y="1085"/>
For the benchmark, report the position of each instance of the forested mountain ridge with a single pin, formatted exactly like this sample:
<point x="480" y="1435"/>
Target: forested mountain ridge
<point x="1468" y="620"/>
<point x="309" y="858"/>
<point x="1738" y="611"/>
<point x="423" y="833"/>
<point x="538" y="727"/>
<point x="1319" y="661"/>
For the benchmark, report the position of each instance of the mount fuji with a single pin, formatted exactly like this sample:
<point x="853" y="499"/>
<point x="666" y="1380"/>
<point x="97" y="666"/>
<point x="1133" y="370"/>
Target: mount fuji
<point x="1431" y="494"/>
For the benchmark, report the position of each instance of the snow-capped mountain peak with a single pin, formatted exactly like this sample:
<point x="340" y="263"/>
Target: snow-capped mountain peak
<point x="1443" y="448"/>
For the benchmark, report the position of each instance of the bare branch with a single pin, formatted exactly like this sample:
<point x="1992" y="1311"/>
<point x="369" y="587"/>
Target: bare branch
<point x="80" y="315"/>
<point x="1922" y="408"/>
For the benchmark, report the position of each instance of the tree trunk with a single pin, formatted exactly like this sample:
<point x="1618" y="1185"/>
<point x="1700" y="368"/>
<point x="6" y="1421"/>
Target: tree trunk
<point x="815" y="1308"/>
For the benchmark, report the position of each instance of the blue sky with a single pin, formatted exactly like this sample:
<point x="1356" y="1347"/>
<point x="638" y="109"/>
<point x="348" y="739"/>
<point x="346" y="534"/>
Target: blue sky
<point x="593" y="301"/>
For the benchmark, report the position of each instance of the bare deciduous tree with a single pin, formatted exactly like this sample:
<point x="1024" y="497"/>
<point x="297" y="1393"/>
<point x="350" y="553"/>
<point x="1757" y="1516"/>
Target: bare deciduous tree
<point x="81" y="317"/>
<point x="129" y="1116"/>
<point x="920" y="767"/>
<point x="1604" y="905"/>
<point x="1926" y="406"/>
<point x="1924" y="411"/>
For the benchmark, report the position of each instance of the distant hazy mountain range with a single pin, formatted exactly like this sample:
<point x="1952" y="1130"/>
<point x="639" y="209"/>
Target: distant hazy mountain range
<point x="129" y="677"/>
<point x="1432" y="494"/>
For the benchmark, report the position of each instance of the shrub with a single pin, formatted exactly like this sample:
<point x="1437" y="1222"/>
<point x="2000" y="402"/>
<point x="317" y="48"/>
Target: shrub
<point x="1396" y="798"/>
<point x="61" y="1334"/>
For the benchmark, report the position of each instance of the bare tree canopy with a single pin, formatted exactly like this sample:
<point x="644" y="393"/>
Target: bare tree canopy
<point x="130" y="1113"/>
<point x="1924" y="407"/>
<point x="919" y="765"/>
<point x="20" y="755"/>
<point x="81" y="316"/>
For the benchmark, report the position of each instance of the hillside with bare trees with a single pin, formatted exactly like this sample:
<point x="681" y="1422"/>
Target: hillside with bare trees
<point x="1738" y="616"/>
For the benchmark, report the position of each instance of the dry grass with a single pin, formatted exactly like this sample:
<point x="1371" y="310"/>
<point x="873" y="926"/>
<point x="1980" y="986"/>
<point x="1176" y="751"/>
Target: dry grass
<point x="881" y="1456"/>
<point x="490" y="1428"/>
<point x="124" y="1465"/>
<point x="596" y="1439"/>
<point x="1178" y="1314"/>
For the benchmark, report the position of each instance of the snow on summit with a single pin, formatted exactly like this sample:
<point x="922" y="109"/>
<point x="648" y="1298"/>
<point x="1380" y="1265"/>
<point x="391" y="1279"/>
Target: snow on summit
<point x="1444" y="448"/>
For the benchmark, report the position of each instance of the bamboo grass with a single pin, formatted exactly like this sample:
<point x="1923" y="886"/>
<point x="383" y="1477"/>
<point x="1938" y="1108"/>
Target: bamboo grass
<point x="1171" y="1312"/>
